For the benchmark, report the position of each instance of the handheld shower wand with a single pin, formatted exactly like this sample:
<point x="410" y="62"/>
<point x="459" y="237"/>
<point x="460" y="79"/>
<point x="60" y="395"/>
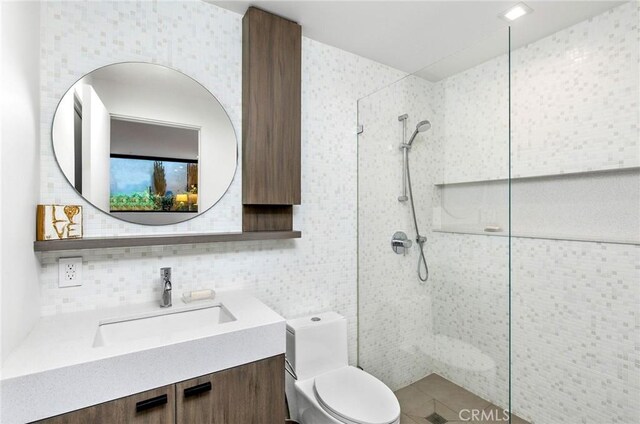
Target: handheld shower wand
<point x="406" y="181"/>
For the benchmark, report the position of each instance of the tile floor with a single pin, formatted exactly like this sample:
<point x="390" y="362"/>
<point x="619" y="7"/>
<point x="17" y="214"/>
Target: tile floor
<point x="422" y="400"/>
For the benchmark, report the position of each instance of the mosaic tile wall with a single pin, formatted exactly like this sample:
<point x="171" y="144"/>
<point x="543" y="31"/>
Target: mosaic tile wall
<point x="315" y="273"/>
<point x="475" y="104"/>
<point x="576" y="340"/>
<point x="576" y="349"/>
<point x="574" y="104"/>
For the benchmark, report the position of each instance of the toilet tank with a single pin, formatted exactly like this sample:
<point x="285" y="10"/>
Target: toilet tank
<point x="317" y="344"/>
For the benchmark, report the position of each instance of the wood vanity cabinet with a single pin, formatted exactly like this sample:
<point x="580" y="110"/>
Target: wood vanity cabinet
<point x="155" y="406"/>
<point x="248" y="394"/>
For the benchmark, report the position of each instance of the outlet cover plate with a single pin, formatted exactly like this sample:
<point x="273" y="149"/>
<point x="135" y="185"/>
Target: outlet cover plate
<point x="69" y="272"/>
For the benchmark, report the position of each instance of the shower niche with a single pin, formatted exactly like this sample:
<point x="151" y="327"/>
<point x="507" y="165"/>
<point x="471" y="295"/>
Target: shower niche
<point x="582" y="206"/>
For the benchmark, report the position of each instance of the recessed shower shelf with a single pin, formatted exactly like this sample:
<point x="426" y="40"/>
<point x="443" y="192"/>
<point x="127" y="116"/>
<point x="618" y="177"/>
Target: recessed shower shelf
<point x="588" y="206"/>
<point x="159" y="240"/>
<point x="544" y="176"/>
<point x="505" y="233"/>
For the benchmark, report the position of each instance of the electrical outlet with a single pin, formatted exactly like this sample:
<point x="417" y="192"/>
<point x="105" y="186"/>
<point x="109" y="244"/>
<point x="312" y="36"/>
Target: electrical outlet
<point x="69" y="272"/>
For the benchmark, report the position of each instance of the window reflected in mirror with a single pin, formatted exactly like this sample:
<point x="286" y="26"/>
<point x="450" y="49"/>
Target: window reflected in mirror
<point x="144" y="143"/>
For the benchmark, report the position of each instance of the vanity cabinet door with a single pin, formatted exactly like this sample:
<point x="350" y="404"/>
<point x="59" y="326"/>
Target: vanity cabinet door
<point x="155" y="406"/>
<point x="248" y="394"/>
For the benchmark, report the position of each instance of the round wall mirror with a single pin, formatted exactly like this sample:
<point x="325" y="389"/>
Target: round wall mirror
<point x="144" y="143"/>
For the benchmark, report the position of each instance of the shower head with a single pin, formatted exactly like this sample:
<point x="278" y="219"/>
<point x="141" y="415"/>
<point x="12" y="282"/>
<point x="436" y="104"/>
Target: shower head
<point x="421" y="127"/>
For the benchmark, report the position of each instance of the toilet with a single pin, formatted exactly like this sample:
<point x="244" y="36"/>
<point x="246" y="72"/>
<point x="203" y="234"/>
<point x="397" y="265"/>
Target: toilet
<point x="325" y="389"/>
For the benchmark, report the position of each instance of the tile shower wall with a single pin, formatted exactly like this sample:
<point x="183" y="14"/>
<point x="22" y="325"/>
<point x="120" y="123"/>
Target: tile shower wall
<point x="574" y="104"/>
<point x="315" y="273"/>
<point x="475" y="105"/>
<point x="575" y="343"/>
<point x="575" y="318"/>
<point x="575" y="97"/>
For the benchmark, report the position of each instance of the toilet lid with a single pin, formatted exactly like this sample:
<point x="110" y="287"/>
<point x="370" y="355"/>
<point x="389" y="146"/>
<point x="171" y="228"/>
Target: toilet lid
<point x="353" y="396"/>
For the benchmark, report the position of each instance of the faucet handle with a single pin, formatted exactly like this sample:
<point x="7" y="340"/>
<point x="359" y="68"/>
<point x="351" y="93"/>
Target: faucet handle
<point x="165" y="299"/>
<point x="165" y="274"/>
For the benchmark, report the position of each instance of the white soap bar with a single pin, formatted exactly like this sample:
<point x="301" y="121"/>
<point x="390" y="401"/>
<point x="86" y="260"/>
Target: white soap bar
<point x="493" y="228"/>
<point x="206" y="294"/>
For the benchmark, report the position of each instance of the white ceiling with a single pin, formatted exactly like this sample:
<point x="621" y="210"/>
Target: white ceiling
<point x="412" y="35"/>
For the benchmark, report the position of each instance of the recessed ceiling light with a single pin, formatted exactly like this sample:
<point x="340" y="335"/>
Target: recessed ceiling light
<point x="515" y="12"/>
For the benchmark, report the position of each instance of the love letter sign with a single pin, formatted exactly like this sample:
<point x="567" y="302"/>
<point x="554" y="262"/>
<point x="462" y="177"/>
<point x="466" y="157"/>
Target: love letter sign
<point x="57" y="222"/>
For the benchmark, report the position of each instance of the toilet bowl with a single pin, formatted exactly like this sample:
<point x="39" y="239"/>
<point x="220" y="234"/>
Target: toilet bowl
<point x="325" y="389"/>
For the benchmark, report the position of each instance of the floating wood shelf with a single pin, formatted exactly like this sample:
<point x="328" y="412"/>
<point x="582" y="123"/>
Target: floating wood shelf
<point x="159" y="240"/>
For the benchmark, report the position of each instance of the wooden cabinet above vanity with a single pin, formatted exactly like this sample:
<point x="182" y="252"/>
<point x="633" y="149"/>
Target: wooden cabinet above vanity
<point x="271" y="120"/>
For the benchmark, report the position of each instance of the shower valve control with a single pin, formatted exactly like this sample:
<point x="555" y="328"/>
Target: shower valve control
<point x="400" y="243"/>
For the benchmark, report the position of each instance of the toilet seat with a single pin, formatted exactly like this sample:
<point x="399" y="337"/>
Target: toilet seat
<point x="353" y="396"/>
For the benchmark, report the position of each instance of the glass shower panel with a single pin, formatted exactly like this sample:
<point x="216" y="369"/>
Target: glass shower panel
<point x="441" y="344"/>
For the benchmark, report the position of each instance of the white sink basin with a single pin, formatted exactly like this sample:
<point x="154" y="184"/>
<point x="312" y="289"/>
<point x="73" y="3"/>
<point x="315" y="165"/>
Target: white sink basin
<point x="164" y="324"/>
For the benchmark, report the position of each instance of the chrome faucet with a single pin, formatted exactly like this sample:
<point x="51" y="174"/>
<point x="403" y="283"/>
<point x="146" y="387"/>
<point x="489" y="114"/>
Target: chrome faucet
<point x="165" y="276"/>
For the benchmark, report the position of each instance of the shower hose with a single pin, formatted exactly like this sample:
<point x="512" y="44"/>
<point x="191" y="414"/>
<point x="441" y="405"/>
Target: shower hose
<point x="422" y="260"/>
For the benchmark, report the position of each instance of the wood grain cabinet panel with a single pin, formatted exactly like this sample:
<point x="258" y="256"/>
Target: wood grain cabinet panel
<point x="247" y="394"/>
<point x="271" y="81"/>
<point x="250" y="394"/>
<point x="155" y="406"/>
<point x="267" y="218"/>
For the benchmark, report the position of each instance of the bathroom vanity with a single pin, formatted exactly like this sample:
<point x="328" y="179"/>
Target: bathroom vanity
<point x="245" y="394"/>
<point x="150" y="145"/>
<point x="219" y="361"/>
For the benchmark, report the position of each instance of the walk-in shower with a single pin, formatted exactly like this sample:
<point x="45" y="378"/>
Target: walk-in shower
<point x="406" y="183"/>
<point x="438" y="183"/>
<point x="529" y="200"/>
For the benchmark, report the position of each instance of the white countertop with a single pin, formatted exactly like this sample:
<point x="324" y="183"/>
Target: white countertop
<point x="56" y="369"/>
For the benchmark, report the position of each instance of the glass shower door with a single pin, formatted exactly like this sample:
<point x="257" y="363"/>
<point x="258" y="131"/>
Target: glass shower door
<point x="441" y="344"/>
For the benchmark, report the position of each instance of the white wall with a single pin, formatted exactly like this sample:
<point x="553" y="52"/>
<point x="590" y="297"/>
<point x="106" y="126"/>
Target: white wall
<point x="63" y="129"/>
<point x="20" y="171"/>
<point x="2" y="352"/>
<point x="153" y="139"/>
<point x="96" y="148"/>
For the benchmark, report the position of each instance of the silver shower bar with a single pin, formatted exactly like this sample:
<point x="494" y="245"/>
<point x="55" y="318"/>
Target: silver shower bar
<point x="403" y="119"/>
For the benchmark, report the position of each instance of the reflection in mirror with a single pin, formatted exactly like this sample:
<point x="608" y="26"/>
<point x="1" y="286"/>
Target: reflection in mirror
<point x="144" y="143"/>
